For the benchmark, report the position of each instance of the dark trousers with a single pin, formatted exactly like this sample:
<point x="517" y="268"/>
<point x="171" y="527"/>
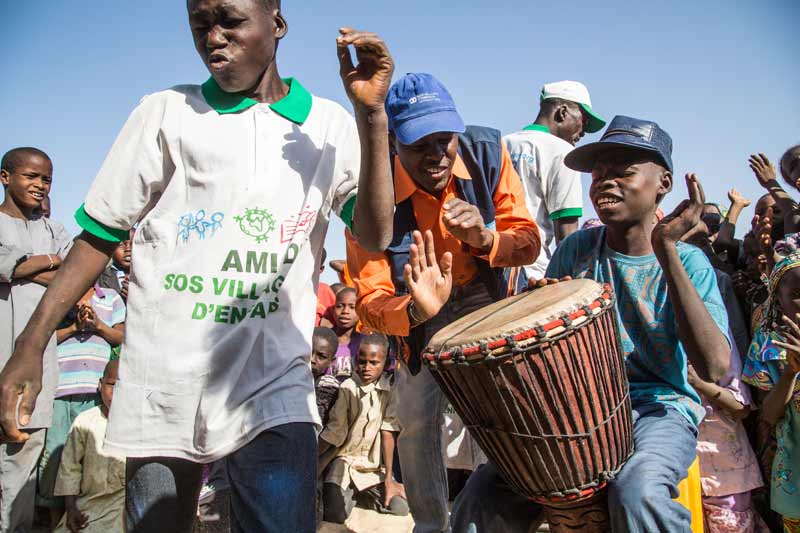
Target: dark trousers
<point x="272" y="482"/>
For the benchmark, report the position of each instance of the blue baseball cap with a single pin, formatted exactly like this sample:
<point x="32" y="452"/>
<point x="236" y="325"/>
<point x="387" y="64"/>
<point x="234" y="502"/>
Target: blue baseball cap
<point x="624" y="132"/>
<point x="418" y="105"/>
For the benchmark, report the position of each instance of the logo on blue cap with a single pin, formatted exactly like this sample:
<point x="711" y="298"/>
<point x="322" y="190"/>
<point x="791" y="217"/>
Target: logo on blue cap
<point x="418" y="105"/>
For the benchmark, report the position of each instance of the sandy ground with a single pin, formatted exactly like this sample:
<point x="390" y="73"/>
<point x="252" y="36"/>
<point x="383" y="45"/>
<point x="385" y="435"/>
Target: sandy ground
<point x="215" y="519"/>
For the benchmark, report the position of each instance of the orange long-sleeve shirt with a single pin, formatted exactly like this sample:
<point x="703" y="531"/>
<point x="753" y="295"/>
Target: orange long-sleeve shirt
<point x="516" y="243"/>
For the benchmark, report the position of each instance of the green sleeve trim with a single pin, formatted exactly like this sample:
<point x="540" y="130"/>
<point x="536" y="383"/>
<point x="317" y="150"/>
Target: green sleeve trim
<point x="348" y="210"/>
<point x="99" y="230"/>
<point x="568" y="212"/>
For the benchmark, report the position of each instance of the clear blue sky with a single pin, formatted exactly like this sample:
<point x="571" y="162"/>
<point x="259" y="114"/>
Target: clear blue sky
<point x="717" y="74"/>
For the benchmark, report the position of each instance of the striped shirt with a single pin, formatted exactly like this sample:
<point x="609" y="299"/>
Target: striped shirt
<point x="82" y="358"/>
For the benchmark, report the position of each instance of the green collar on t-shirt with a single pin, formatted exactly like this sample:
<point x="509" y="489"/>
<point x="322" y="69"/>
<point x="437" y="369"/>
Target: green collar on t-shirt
<point x="536" y="127"/>
<point x="295" y="106"/>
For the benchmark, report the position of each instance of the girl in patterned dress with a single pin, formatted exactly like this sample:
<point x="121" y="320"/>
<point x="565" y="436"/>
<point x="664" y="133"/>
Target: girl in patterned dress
<point x="774" y="368"/>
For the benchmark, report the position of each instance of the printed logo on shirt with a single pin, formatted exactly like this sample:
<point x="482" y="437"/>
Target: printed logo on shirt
<point x="199" y="224"/>
<point x="519" y="156"/>
<point x="243" y="298"/>
<point x="298" y="224"/>
<point x="256" y="223"/>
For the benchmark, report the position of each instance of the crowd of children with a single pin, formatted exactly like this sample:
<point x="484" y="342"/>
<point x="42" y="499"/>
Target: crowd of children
<point x="442" y="219"/>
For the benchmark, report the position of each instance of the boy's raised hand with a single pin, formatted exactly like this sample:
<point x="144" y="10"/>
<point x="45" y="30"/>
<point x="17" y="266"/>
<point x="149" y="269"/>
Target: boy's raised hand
<point x="684" y="222"/>
<point x="367" y="83"/>
<point x="763" y="169"/>
<point x="737" y="198"/>
<point x="429" y="282"/>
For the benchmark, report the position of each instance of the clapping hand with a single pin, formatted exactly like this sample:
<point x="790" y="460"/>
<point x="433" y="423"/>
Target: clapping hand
<point x="737" y="198"/>
<point x="366" y="84"/>
<point x="87" y="318"/>
<point x="464" y="221"/>
<point x="429" y="282"/>
<point x="763" y="169"/>
<point x="685" y="221"/>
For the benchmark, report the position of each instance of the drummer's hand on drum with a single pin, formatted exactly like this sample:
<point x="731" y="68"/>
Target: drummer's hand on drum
<point x="544" y="282"/>
<point x="429" y="282"/>
<point x="465" y="223"/>
<point x="684" y="222"/>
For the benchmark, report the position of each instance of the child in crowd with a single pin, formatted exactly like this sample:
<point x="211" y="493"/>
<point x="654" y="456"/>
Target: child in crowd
<point x="324" y="344"/>
<point x="88" y="334"/>
<point x="773" y="365"/>
<point x="31" y="250"/>
<point x="92" y="481"/>
<point x="729" y="467"/>
<point x="361" y="435"/>
<point x="345" y="322"/>
<point x="670" y="314"/>
<point x="232" y="184"/>
<point x="117" y="275"/>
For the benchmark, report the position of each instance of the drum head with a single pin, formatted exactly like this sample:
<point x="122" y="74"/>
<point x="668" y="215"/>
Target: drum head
<point x="519" y="313"/>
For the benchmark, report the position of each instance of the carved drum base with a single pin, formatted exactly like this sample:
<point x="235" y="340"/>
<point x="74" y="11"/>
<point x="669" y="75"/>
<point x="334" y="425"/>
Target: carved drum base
<point x="587" y="516"/>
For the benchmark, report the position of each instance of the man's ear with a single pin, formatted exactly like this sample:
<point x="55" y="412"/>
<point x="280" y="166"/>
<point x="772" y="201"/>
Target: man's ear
<point x="665" y="186"/>
<point x="281" y="26"/>
<point x="560" y="114"/>
<point x="5" y="177"/>
<point x="392" y="143"/>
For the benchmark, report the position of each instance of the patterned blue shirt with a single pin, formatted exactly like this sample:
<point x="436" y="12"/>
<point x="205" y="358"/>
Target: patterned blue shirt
<point x="655" y="358"/>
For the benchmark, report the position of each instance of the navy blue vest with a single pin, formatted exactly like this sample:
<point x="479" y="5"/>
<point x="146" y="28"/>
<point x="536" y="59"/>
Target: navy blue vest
<point x="481" y="150"/>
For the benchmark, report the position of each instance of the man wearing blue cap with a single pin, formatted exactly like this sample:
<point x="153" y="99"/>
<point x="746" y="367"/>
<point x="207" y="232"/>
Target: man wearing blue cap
<point x="553" y="191"/>
<point x="456" y="185"/>
<point x="670" y="315"/>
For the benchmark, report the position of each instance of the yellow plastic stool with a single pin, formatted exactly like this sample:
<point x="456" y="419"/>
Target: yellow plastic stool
<point x="690" y="495"/>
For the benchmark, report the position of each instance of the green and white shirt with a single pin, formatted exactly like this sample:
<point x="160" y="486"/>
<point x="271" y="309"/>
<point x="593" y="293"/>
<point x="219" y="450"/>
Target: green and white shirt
<point x="552" y="190"/>
<point x="232" y="200"/>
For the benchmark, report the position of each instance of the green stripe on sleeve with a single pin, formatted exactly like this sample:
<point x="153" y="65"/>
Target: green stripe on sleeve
<point x="99" y="230"/>
<point x="568" y="212"/>
<point x="348" y="210"/>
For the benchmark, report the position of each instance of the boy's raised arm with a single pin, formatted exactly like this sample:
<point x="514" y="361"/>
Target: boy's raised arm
<point x="706" y="345"/>
<point x="366" y="86"/>
<point x="21" y="378"/>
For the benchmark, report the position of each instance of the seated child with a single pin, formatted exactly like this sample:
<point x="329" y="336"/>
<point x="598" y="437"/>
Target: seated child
<point x="774" y="368"/>
<point x="92" y="482"/>
<point x="362" y="428"/>
<point x="670" y="314"/>
<point x="729" y="467"/>
<point x="323" y="349"/>
<point x="345" y="322"/>
<point x="85" y="339"/>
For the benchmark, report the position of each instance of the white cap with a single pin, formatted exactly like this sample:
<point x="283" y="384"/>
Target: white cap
<point x="574" y="91"/>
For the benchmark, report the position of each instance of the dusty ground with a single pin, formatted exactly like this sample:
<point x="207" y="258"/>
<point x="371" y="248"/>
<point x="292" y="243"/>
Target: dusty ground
<point x="215" y="519"/>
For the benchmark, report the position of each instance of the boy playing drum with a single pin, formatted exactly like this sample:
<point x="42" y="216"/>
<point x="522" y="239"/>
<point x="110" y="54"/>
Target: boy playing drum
<point x="670" y="313"/>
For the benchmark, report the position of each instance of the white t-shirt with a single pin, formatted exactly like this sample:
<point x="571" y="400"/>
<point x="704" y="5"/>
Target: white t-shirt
<point x="233" y="206"/>
<point x="552" y="190"/>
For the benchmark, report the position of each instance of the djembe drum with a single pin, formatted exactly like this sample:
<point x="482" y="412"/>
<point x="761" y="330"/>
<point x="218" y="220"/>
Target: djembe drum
<point x="539" y="380"/>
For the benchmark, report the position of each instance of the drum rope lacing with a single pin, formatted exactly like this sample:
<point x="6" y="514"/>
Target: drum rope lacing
<point x="458" y="355"/>
<point x="588" y="433"/>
